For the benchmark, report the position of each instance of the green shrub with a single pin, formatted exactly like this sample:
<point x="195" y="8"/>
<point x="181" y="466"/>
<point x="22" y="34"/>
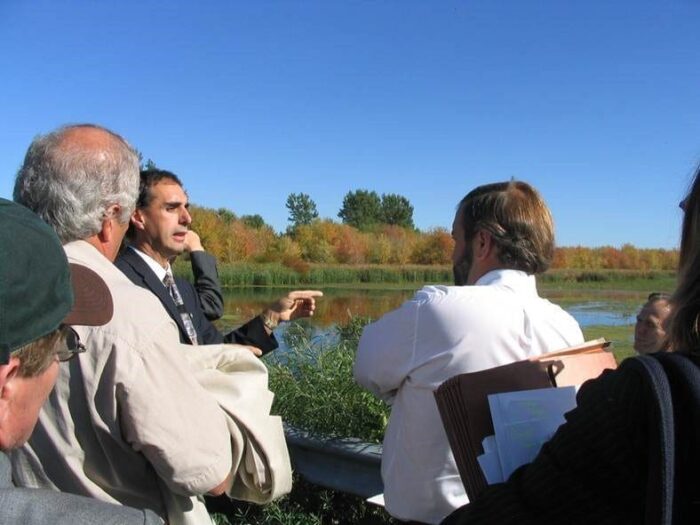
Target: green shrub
<point x="314" y="386"/>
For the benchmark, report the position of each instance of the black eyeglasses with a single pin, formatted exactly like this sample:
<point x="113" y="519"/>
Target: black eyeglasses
<point x="72" y="345"/>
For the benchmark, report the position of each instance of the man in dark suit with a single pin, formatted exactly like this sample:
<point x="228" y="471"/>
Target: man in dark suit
<point x="206" y="277"/>
<point x="157" y="234"/>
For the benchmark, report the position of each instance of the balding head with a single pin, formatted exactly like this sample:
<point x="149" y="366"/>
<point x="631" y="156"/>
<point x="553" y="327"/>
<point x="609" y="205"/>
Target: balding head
<point x="77" y="176"/>
<point x="88" y="137"/>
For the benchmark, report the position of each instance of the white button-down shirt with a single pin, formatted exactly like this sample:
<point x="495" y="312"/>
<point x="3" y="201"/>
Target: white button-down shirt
<point x="152" y="264"/>
<point x="444" y="331"/>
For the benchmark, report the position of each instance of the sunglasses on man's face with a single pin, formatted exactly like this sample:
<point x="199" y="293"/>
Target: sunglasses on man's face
<point x="71" y="345"/>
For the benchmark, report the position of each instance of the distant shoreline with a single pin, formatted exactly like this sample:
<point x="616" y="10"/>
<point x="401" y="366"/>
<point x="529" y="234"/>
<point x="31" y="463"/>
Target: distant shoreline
<point x="412" y="276"/>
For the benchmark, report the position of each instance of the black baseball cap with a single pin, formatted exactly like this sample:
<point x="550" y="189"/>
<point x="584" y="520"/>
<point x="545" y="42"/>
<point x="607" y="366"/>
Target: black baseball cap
<point x="39" y="290"/>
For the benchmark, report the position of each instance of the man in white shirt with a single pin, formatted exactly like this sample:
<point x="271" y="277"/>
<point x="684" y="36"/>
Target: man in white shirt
<point x="503" y="235"/>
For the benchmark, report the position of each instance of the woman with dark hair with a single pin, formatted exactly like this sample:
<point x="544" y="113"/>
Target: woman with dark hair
<point x="630" y="451"/>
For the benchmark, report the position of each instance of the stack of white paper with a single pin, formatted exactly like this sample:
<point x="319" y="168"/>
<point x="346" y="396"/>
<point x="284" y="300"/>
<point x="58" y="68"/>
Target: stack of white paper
<point x="522" y="422"/>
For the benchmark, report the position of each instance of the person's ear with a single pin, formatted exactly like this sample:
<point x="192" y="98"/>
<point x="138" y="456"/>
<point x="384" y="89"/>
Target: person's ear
<point x="7" y="373"/>
<point x="107" y="229"/>
<point x="138" y="219"/>
<point x="483" y="245"/>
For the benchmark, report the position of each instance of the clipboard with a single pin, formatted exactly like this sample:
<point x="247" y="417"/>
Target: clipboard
<point x="463" y="405"/>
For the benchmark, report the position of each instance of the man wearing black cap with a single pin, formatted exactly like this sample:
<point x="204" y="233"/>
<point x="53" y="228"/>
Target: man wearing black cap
<point x="37" y="305"/>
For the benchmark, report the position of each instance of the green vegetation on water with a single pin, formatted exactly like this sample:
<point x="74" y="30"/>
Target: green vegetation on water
<point x="608" y="280"/>
<point x="276" y="274"/>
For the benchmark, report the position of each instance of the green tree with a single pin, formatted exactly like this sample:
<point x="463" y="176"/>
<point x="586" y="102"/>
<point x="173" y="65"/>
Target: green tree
<point x="148" y="165"/>
<point x="302" y="209"/>
<point x="397" y="210"/>
<point x="361" y="209"/>
<point x="253" y="221"/>
<point x="226" y="215"/>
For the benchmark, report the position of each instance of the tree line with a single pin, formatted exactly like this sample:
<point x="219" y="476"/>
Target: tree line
<point x="374" y="229"/>
<point x="361" y="209"/>
<point x="309" y="239"/>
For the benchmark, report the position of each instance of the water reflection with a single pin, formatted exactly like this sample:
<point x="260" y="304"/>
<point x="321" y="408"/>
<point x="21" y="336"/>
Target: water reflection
<point x="588" y="308"/>
<point x="598" y="313"/>
<point x="336" y="306"/>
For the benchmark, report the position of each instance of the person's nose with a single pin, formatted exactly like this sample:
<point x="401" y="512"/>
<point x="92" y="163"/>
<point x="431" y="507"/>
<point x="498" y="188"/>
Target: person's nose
<point x="185" y="217"/>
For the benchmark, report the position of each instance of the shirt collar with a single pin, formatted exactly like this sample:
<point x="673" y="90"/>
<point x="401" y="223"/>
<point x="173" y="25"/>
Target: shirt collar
<point x="152" y="264"/>
<point x="514" y="279"/>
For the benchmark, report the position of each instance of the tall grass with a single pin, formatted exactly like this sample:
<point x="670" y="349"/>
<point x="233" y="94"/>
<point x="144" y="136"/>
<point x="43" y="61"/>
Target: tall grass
<point x="277" y="274"/>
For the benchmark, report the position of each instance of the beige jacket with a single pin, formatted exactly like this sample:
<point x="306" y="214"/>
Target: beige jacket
<point x="142" y="420"/>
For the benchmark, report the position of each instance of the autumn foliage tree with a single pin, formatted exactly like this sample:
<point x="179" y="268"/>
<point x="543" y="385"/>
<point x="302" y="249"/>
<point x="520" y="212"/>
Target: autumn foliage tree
<point x="248" y="239"/>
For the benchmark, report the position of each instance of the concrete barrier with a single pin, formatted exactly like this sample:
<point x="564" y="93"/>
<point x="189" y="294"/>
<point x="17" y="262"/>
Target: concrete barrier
<point x="343" y="464"/>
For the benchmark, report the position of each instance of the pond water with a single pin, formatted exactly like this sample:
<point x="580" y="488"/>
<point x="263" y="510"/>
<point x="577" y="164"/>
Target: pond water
<point x="589" y="308"/>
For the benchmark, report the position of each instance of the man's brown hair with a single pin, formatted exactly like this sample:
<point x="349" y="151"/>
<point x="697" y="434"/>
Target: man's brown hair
<point x="518" y="220"/>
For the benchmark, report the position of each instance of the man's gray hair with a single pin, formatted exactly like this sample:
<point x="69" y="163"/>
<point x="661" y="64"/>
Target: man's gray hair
<point x="72" y="187"/>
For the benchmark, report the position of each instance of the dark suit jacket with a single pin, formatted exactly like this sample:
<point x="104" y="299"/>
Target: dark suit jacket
<point x="252" y="333"/>
<point x="206" y="282"/>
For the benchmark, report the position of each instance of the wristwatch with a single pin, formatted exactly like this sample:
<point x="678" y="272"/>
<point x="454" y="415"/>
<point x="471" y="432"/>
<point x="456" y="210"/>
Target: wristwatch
<point x="269" y="323"/>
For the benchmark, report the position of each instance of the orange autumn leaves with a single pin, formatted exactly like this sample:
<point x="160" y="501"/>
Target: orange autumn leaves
<point x="231" y="240"/>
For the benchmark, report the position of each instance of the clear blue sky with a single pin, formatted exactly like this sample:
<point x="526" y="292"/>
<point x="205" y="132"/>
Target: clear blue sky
<point x="596" y="103"/>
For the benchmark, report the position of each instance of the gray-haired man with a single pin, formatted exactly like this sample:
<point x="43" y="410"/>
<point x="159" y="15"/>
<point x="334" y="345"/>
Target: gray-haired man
<point x="144" y="431"/>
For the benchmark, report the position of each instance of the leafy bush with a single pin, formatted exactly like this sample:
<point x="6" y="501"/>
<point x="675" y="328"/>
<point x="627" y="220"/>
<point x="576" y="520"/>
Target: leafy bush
<point x="314" y="386"/>
<point x="314" y="390"/>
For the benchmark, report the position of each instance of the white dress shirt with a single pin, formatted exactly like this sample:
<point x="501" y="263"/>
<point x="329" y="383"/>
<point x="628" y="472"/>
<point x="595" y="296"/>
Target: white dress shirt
<point x="444" y="331"/>
<point x="152" y="264"/>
